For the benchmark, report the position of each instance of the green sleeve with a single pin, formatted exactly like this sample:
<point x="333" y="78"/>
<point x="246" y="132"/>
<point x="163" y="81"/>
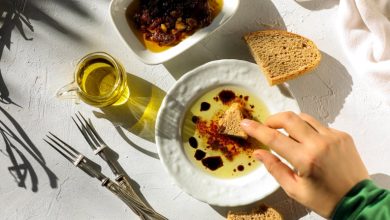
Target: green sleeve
<point x="364" y="201"/>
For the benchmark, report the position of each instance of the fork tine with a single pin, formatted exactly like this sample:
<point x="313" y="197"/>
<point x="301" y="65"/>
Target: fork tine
<point x="62" y="147"/>
<point x="65" y="144"/>
<point x="84" y="133"/>
<point x="89" y="124"/>
<point x="89" y="133"/>
<point x="59" y="151"/>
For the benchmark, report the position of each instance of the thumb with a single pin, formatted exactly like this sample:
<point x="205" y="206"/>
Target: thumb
<point x="280" y="171"/>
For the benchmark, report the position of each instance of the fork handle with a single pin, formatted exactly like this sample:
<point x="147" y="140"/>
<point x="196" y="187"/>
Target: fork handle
<point x="115" y="189"/>
<point x="124" y="182"/>
<point x="139" y="208"/>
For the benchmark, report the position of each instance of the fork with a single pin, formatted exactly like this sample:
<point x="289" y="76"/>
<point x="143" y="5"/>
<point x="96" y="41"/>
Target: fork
<point x="82" y="162"/>
<point x="100" y="147"/>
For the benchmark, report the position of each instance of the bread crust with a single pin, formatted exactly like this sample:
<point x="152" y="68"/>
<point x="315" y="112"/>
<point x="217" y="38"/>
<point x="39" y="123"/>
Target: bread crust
<point x="263" y="212"/>
<point x="253" y="43"/>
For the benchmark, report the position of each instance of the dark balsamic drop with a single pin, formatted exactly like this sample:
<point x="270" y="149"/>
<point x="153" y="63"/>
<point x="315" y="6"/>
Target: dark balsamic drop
<point x="193" y="142"/>
<point x="199" y="154"/>
<point x="240" y="168"/>
<point x="249" y="164"/>
<point x="226" y="96"/>
<point x="246" y="98"/>
<point x="204" y="106"/>
<point x="195" y="119"/>
<point x="212" y="163"/>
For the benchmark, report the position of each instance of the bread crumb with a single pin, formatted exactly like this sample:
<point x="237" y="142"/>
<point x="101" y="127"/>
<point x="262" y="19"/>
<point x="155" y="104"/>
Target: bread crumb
<point x="261" y="213"/>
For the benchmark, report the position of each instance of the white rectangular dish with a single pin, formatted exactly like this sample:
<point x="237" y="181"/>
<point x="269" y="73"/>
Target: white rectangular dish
<point x="118" y="15"/>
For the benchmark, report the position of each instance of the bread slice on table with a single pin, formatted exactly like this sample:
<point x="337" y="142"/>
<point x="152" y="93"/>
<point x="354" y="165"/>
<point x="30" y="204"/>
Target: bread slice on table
<point x="282" y="55"/>
<point x="262" y="213"/>
<point x="229" y="123"/>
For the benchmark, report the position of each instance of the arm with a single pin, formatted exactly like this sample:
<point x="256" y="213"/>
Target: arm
<point x="364" y="201"/>
<point x="326" y="163"/>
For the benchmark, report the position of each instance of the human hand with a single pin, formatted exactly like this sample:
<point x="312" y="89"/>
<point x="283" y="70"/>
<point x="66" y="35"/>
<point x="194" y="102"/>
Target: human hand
<point x="326" y="161"/>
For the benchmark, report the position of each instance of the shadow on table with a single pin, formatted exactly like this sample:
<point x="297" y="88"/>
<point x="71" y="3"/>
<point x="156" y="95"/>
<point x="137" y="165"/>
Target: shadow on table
<point x="136" y="146"/>
<point x="73" y="6"/>
<point x="138" y="114"/>
<point x="16" y="141"/>
<point x="16" y="15"/>
<point x="278" y="200"/>
<point x="315" y="5"/>
<point x="4" y="93"/>
<point x="227" y="42"/>
<point x="381" y="180"/>
<point x="12" y="17"/>
<point x="34" y="12"/>
<point x="322" y="93"/>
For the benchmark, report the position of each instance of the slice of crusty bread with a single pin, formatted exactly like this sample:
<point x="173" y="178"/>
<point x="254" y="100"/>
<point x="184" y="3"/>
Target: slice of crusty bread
<point x="229" y="124"/>
<point x="282" y="55"/>
<point x="262" y="213"/>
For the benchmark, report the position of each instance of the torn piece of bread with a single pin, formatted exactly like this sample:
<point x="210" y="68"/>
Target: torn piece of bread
<point x="262" y="213"/>
<point x="229" y="124"/>
<point x="282" y="55"/>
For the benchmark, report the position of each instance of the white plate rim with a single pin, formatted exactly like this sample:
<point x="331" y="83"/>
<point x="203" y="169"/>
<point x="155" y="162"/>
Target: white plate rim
<point x="221" y="192"/>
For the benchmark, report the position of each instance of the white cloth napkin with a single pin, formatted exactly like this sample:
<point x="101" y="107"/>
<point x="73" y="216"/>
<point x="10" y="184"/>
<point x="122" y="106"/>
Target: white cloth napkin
<point x="365" y="33"/>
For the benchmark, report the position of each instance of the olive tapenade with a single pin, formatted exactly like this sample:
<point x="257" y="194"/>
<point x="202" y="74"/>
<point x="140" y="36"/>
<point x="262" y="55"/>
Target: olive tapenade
<point x="167" y="22"/>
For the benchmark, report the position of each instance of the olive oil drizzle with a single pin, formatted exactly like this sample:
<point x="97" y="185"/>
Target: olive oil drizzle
<point x="241" y="164"/>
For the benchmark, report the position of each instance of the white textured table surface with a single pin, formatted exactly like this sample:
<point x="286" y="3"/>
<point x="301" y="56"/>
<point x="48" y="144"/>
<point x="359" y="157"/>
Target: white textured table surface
<point x="38" y="51"/>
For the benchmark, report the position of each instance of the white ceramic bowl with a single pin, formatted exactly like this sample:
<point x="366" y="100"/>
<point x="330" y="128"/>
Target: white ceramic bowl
<point x="118" y="15"/>
<point x="216" y="191"/>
